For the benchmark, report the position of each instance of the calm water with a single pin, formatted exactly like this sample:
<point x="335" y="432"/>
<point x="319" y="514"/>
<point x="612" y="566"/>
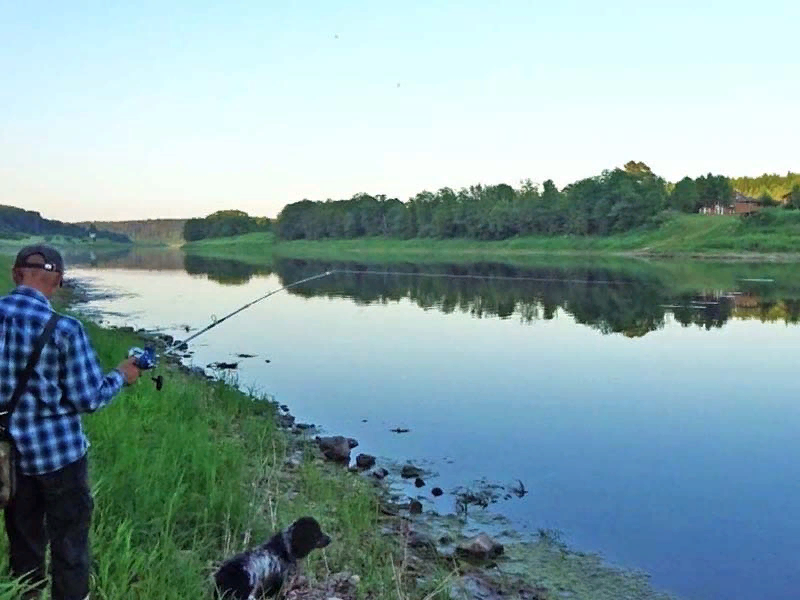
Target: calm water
<point x="651" y="411"/>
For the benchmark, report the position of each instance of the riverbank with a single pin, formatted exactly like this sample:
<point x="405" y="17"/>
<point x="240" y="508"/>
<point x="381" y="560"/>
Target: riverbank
<point x="221" y="470"/>
<point x="679" y="236"/>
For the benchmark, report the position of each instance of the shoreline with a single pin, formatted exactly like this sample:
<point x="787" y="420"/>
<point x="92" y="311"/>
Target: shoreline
<point x="263" y="248"/>
<point x="430" y="537"/>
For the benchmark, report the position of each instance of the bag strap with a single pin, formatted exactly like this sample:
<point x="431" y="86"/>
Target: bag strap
<point x="26" y="374"/>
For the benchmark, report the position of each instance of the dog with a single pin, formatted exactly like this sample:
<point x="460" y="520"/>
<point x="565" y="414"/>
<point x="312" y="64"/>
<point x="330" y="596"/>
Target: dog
<point x="261" y="571"/>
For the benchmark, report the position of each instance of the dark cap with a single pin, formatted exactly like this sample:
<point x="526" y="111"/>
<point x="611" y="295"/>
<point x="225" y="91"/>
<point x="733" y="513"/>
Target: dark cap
<point x="52" y="258"/>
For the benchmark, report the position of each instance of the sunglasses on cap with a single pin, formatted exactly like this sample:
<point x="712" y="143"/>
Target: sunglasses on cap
<point x="43" y="266"/>
<point x="49" y="267"/>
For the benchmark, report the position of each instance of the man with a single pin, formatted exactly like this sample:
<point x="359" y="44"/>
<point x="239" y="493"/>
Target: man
<point x="53" y="501"/>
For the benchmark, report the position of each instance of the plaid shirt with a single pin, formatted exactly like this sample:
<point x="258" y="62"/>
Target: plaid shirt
<point x="67" y="381"/>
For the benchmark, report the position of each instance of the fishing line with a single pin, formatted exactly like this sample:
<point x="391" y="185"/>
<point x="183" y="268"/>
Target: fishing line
<point x="216" y="322"/>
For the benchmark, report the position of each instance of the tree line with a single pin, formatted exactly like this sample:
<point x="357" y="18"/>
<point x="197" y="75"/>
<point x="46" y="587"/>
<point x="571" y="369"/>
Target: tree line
<point x="616" y="201"/>
<point x="771" y="186"/>
<point x="18" y="222"/>
<point x="223" y="223"/>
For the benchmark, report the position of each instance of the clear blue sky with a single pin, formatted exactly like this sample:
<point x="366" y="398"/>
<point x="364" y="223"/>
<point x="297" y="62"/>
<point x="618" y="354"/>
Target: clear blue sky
<point x="174" y="109"/>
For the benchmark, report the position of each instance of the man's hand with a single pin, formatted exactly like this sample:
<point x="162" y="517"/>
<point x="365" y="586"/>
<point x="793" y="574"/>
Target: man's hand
<point x="129" y="370"/>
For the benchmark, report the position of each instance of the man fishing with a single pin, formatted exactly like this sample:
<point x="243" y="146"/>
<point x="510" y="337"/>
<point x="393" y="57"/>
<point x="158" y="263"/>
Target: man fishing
<point x="52" y="500"/>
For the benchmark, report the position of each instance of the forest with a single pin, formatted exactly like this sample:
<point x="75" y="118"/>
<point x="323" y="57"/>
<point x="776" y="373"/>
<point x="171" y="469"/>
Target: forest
<point x="18" y="222"/>
<point x="776" y="187"/>
<point x="224" y="223"/>
<point x="616" y="201"/>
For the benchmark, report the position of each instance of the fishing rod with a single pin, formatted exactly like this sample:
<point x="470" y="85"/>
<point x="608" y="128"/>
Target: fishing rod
<point x="146" y="358"/>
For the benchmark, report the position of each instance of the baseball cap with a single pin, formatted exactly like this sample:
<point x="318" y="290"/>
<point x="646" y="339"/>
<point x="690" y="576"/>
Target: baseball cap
<point x="52" y="258"/>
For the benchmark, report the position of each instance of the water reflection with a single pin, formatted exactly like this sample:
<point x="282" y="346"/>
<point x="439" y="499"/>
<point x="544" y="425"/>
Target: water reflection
<point x="628" y="298"/>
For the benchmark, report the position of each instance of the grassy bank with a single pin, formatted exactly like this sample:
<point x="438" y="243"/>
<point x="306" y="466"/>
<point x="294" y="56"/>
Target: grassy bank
<point x="186" y="476"/>
<point x="774" y="238"/>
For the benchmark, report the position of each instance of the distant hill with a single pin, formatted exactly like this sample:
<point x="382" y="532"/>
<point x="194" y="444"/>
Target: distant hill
<point x="18" y="223"/>
<point x="150" y="231"/>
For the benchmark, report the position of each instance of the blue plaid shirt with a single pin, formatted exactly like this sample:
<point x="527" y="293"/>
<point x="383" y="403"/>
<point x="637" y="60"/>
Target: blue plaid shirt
<point x="67" y="381"/>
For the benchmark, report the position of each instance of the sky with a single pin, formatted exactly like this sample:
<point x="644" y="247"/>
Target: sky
<point x="155" y="110"/>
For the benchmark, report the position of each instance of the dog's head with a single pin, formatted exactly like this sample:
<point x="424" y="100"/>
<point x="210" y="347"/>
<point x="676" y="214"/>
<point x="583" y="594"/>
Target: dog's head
<point x="304" y="535"/>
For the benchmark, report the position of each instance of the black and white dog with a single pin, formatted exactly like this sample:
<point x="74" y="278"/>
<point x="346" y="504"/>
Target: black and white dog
<point x="261" y="572"/>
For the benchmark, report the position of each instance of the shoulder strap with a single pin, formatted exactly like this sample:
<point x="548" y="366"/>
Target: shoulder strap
<point x="34" y="358"/>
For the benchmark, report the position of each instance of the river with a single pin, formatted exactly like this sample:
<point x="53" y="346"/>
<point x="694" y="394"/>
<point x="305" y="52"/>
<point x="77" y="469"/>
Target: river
<point x="650" y="410"/>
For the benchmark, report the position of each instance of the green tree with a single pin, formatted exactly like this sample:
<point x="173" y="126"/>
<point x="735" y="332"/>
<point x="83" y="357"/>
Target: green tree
<point x="684" y="196"/>
<point x="767" y="200"/>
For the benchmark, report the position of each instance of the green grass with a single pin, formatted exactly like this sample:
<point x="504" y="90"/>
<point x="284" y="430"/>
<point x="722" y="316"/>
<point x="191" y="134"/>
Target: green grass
<point x="777" y="234"/>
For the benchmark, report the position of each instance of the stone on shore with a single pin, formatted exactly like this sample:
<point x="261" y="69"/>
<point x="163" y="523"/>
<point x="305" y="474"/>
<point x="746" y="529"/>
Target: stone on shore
<point x="480" y="547"/>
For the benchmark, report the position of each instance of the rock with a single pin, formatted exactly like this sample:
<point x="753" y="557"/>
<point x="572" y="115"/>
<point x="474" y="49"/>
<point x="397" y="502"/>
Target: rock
<point x="419" y="482"/>
<point x="306" y="426"/>
<point x="242" y="355"/>
<point x="167" y="338"/>
<point x="390" y="509"/>
<point x="294" y="461"/>
<point x="224" y="365"/>
<point x="284" y="408"/>
<point x="285" y="421"/>
<point x="380" y="474"/>
<point x="267" y="360"/>
<point x="480" y="547"/>
<point x="415" y="507"/>
<point x="410" y="471"/>
<point x="419" y="540"/>
<point x="365" y="461"/>
<point x="445" y="540"/>
<point x="335" y="448"/>
<point x="183" y="346"/>
<point x="352" y="442"/>
<point x="437" y="491"/>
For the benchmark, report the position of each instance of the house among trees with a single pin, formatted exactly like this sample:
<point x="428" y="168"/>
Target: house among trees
<point x="739" y="205"/>
<point x="744" y="205"/>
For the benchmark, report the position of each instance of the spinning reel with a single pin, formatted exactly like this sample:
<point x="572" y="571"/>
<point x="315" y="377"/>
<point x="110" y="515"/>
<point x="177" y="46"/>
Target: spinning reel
<point x="146" y="359"/>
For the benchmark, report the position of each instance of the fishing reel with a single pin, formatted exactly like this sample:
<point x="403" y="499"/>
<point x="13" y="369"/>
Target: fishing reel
<point x="146" y="359"/>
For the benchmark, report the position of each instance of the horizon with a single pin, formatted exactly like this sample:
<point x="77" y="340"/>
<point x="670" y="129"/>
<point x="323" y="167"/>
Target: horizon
<point x="152" y="112"/>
